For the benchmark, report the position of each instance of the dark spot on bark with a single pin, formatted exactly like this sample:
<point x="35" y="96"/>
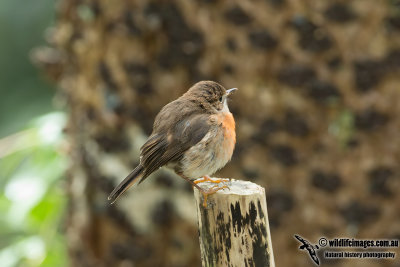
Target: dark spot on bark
<point x="260" y="211"/>
<point x="75" y="36"/>
<point x="328" y="182"/>
<point x="322" y="91"/>
<point x="229" y="69"/>
<point x="142" y="115"/>
<point x="391" y="61"/>
<point x="250" y="173"/>
<point x="208" y="1"/>
<point x="340" y="13"/>
<point x="262" y="39"/>
<point x="284" y="154"/>
<point x="163" y="213"/>
<point x="393" y="22"/>
<point x="353" y="143"/>
<point x="209" y="243"/>
<point x="236" y="217"/>
<point x="183" y="52"/>
<point x="318" y="147"/>
<point x="113" y="142"/>
<point x="91" y="113"/>
<point x="257" y="230"/>
<point x="237" y="16"/>
<point x="130" y="23"/>
<point x="370" y="119"/>
<point x="295" y="124"/>
<point x="145" y="88"/>
<point x="131" y="251"/>
<point x="335" y="62"/>
<point x="276" y="3"/>
<point x="185" y="44"/>
<point x="239" y="221"/>
<point x="296" y="75"/>
<point x="177" y="243"/>
<point x="274" y="221"/>
<point x="279" y="201"/>
<point x="103" y="183"/>
<point x="253" y="214"/>
<point x="165" y="180"/>
<point x="96" y="9"/>
<point x="139" y="77"/>
<point x="231" y="44"/>
<point x="223" y="229"/>
<point x="188" y="187"/>
<point x="260" y="252"/>
<point x="267" y="128"/>
<point x="368" y="74"/>
<point x="110" y="26"/>
<point x="106" y="76"/>
<point x="120" y="219"/>
<point x="378" y="181"/>
<point x="311" y="37"/>
<point x="358" y="213"/>
<point x="270" y="125"/>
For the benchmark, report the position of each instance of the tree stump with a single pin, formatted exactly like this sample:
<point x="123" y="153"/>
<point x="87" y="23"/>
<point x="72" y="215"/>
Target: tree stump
<point x="233" y="227"/>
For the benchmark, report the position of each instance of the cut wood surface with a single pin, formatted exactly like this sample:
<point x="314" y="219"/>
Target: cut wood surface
<point x="234" y="228"/>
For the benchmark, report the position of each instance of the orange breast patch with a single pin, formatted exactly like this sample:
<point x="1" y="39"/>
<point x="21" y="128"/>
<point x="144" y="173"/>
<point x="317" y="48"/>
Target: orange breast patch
<point x="229" y="124"/>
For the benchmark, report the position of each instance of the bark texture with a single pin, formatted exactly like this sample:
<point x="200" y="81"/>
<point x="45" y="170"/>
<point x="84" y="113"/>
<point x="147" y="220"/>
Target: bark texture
<point x="233" y="227"/>
<point x="317" y="115"/>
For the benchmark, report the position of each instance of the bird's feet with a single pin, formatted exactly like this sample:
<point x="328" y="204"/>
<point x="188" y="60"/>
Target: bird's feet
<point x="207" y="178"/>
<point x="206" y="192"/>
<point x="212" y="190"/>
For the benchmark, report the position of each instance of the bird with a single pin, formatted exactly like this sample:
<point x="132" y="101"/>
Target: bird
<point x="193" y="135"/>
<point x="309" y="247"/>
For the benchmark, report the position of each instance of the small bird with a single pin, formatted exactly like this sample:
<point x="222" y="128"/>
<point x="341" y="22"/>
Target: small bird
<point x="309" y="247"/>
<point x="193" y="135"/>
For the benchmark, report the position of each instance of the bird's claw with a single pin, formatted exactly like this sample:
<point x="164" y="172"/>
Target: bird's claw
<point x="211" y="191"/>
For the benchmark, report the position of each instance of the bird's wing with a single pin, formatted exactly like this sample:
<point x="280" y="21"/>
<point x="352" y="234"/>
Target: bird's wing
<point x="302" y="240"/>
<point x="315" y="259"/>
<point x="168" y="146"/>
<point x="311" y="251"/>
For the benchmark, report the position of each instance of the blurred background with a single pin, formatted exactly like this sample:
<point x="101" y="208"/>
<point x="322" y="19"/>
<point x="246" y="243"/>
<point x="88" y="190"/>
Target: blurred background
<point x="32" y="199"/>
<point x="81" y="82"/>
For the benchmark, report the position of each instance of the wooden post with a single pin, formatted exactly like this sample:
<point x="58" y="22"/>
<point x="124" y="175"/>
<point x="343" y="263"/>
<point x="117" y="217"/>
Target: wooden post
<point x="233" y="228"/>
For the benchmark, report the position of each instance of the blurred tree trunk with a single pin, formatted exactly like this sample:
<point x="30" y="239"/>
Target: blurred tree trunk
<point x="317" y="88"/>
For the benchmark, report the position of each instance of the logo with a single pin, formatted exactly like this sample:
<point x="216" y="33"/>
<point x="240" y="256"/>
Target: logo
<point x="309" y="247"/>
<point x="359" y="248"/>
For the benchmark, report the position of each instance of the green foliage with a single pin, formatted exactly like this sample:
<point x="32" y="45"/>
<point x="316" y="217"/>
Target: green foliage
<point x="32" y="197"/>
<point x="23" y="94"/>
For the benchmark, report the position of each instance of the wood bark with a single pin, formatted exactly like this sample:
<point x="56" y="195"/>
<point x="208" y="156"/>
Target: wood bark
<point x="233" y="226"/>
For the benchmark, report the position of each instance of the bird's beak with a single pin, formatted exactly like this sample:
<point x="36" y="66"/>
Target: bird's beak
<point x="229" y="91"/>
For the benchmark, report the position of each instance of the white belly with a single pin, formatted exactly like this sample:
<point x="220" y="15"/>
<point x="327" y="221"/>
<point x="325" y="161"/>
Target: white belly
<point x="207" y="156"/>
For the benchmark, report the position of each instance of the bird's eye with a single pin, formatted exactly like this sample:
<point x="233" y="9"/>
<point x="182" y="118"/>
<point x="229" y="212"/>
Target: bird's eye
<point x="220" y="99"/>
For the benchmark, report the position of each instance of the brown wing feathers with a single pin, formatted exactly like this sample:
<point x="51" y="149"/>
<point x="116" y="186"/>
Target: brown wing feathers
<point x="160" y="150"/>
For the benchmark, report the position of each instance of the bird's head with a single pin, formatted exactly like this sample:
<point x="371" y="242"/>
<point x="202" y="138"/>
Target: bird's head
<point x="211" y="95"/>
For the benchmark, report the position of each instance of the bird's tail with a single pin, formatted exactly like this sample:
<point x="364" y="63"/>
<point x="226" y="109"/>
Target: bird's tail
<point x="130" y="180"/>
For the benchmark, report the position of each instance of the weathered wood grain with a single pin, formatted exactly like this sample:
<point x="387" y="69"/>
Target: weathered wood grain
<point x="234" y="228"/>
